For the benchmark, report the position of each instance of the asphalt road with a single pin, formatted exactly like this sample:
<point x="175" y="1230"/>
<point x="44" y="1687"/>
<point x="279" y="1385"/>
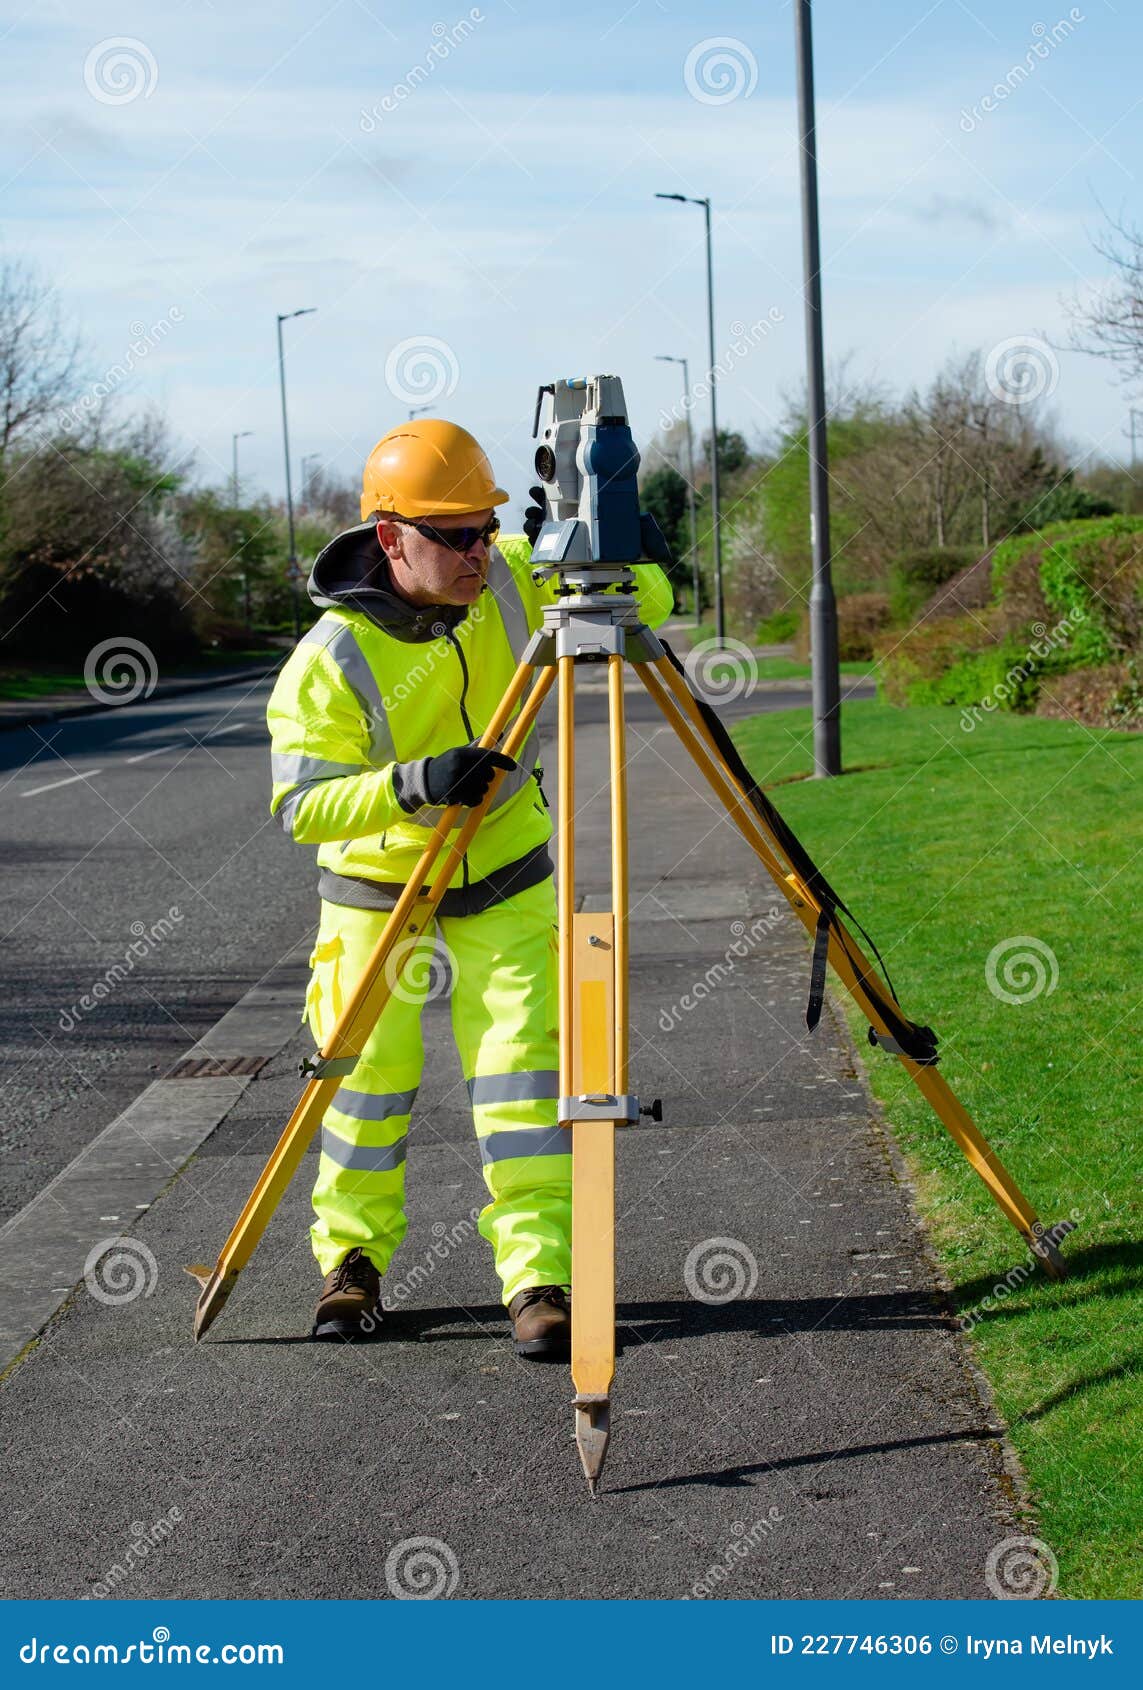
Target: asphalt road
<point x="818" y="1433"/>
<point x="169" y="813"/>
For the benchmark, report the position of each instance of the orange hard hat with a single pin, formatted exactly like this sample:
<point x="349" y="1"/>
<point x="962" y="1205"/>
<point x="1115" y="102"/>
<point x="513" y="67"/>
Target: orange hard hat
<point x="428" y="467"/>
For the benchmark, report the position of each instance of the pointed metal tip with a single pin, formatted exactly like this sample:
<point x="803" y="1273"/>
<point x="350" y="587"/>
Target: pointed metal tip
<point x="592" y="1431"/>
<point x="211" y="1303"/>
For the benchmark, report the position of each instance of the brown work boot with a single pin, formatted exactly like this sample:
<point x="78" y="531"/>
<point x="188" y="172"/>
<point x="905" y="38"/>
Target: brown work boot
<point x="347" y="1307"/>
<point x="541" y="1321"/>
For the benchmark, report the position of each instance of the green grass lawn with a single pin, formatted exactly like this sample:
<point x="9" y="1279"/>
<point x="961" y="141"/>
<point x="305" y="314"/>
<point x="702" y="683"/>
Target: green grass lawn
<point x="788" y="668"/>
<point x="946" y="844"/>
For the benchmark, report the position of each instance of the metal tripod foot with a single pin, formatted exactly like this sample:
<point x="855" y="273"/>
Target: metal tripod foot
<point x="592" y="1431"/>
<point x="216" y="1288"/>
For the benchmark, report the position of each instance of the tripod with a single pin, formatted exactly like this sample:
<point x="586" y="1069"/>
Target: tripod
<point x="589" y="624"/>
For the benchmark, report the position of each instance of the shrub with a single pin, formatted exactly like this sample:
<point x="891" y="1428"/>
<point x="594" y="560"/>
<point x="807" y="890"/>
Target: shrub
<point x="861" y="618"/>
<point x="778" y="628"/>
<point x="1065" y="598"/>
<point x="1093" y="570"/>
<point x="1108" y="697"/>
<point x="915" y="576"/>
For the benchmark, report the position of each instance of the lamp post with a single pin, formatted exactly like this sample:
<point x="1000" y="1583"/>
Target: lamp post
<point x="667" y="358"/>
<point x="715" y="514"/>
<point x="234" y="439"/>
<point x="285" y="317"/>
<point x="418" y="411"/>
<point x="234" y="484"/>
<point x="1133" y="414"/>
<point x="308" y="475"/>
<point x="826" y="681"/>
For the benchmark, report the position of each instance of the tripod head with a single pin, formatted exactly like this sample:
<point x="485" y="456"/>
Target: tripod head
<point x="589" y="464"/>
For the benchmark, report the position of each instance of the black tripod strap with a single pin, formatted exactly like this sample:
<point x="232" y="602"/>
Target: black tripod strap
<point x="818" y="969"/>
<point x="908" y="1038"/>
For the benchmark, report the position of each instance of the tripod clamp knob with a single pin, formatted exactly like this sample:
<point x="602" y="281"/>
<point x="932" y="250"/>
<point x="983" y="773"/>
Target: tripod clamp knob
<point x="654" y="1109"/>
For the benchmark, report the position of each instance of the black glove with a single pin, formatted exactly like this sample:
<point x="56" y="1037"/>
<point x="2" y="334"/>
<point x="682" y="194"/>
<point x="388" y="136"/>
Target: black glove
<point x="536" y="514"/>
<point x="460" y="776"/>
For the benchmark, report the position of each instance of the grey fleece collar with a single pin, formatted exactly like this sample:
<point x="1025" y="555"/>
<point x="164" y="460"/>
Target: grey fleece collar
<point x="352" y="573"/>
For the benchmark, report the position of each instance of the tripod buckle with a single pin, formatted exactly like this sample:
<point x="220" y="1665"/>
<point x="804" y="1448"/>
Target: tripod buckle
<point x="599" y="1106"/>
<point x="321" y="1067"/>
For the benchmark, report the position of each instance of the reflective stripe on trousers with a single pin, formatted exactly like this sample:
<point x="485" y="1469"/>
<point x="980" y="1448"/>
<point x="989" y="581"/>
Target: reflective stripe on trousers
<point x="504" y="998"/>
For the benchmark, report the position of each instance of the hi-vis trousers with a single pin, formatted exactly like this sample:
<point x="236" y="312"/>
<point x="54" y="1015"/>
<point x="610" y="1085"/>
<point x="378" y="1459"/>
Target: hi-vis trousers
<point x="505" y="995"/>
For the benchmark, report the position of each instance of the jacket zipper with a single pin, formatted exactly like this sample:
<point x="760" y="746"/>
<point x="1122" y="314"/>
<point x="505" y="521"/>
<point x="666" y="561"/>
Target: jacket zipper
<point x="455" y="643"/>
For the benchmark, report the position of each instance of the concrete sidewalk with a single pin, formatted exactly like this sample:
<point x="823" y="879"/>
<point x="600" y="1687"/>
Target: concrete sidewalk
<point x="819" y="1433"/>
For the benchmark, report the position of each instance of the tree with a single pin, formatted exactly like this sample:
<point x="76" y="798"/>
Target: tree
<point x="328" y="497"/>
<point x="90" y="546"/>
<point x="235" y="549"/>
<point x="39" y="355"/>
<point x="733" y="452"/>
<point x="664" y="495"/>
<point x="1111" y="325"/>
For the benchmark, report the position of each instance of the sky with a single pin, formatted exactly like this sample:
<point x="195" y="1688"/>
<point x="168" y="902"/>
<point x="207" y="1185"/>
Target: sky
<point x="464" y="197"/>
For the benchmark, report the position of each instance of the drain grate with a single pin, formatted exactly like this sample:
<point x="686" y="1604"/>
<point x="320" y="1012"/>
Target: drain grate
<point x="215" y="1067"/>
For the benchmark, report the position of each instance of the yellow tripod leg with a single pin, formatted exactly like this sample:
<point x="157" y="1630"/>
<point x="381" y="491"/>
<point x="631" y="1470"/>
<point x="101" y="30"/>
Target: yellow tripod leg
<point x="594" y="1060"/>
<point x="410" y="917"/>
<point x="593" y="1194"/>
<point x="849" y="962"/>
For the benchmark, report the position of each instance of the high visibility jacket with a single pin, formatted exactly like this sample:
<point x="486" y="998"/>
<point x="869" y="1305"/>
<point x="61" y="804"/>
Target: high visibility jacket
<point x="376" y="682"/>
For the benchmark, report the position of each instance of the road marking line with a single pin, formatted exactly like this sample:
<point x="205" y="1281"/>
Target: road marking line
<point x="142" y="756"/>
<point x="228" y="728"/>
<point x="68" y="780"/>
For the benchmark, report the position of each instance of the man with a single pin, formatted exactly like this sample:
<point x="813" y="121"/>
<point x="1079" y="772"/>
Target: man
<point x="374" y="720"/>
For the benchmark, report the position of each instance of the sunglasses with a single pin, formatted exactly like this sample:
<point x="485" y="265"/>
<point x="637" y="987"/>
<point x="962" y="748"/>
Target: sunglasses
<point x="459" y="540"/>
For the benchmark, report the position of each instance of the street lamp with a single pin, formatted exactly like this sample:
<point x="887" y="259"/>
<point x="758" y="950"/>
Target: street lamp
<point x="308" y="475"/>
<point x="1133" y="414"/>
<point x="715" y="515"/>
<point x="826" y="678"/>
<point x="667" y="358"/>
<point x="285" y="317"/>
<point x="234" y="439"/>
<point x="418" y="411"/>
